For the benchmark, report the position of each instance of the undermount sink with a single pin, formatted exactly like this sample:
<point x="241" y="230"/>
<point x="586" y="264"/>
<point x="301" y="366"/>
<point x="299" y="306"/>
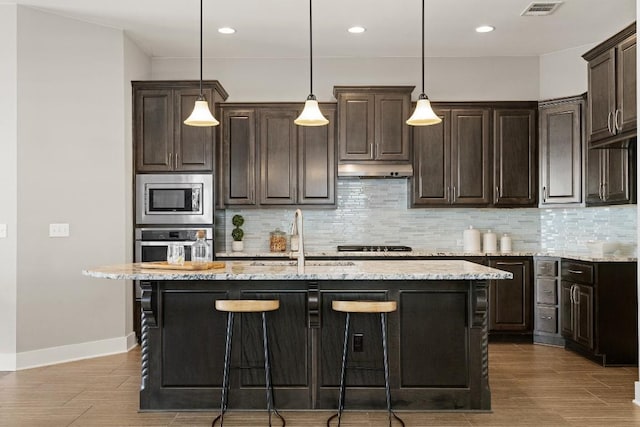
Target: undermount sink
<point x="307" y="264"/>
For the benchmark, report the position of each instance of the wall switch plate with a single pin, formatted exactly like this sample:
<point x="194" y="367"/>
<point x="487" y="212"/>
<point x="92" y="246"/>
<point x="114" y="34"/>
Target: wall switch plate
<point x="3" y="231"/>
<point x="58" y="230"/>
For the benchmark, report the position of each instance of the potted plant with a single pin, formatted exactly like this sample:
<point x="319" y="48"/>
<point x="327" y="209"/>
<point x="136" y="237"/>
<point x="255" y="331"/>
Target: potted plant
<point x="237" y="233"/>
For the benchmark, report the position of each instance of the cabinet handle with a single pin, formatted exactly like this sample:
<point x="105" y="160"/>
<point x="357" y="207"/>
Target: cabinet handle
<point x="576" y="299"/>
<point x="546" y="317"/>
<point x="544" y="194"/>
<point x="372" y="153"/>
<point x="497" y="192"/>
<point x="454" y="194"/>
<point x="609" y="125"/>
<point x="618" y="123"/>
<point x="604" y="191"/>
<point x="600" y="191"/>
<point x="170" y="160"/>
<point x="571" y="293"/>
<point x="448" y="195"/>
<point x="177" y="154"/>
<point x="547" y="291"/>
<point x="575" y="271"/>
<point x="508" y="263"/>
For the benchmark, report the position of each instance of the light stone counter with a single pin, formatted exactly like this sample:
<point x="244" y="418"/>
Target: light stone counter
<point x="314" y="270"/>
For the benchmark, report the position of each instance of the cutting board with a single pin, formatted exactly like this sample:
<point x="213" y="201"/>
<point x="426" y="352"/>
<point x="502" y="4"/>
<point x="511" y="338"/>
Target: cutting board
<point x="188" y="266"/>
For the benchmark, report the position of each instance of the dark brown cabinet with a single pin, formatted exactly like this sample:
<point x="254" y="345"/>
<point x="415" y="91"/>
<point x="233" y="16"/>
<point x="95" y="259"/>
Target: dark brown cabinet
<point x="268" y="160"/>
<point x="608" y="177"/>
<point x="612" y="89"/>
<point x="510" y="300"/>
<point x="514" y="157"/>
<point x="561" y="147"/>
<point x="163" y="143"/>
<point x="372" y="123"/>
<point x="547" y="316"/>
<point x="599" y="310"/>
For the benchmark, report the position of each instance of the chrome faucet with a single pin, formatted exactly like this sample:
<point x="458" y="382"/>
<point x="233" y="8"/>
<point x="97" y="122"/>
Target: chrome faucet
<point x="297" y="232"/>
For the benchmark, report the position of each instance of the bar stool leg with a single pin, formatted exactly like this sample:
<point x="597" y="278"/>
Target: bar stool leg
<point x="343" y="372"/>
<point x="267" y="372"/>
<point x="225" y="376"/>
<point x="383" y="323"/>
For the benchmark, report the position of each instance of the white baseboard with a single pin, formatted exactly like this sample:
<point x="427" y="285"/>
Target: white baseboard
<point x="7" y="361"/>
<point x="69" y="353"/>
<point x="637" y="399"/>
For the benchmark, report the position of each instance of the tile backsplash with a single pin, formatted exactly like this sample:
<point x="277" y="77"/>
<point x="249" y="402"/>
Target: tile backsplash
<point x="375" y="211"/>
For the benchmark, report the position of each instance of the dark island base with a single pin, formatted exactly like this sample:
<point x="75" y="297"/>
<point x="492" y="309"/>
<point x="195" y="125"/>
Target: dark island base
<point x="437" y="345"/>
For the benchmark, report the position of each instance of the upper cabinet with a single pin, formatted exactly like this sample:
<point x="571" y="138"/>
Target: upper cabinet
<point x="608" y="177"/>
<point x="163" y="143"/>
<point x="269" y="161"/>
<point x="561" y="147"/>
<point x="612" y="90"/>
<point x="465" y="161"/>
<point x="372" y="123"/>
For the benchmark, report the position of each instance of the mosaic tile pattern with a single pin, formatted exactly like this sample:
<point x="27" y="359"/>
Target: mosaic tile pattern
<point x="375" y="211"/>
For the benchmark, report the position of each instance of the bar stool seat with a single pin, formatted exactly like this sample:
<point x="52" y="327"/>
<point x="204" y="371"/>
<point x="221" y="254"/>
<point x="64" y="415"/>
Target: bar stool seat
<point x="246" y="306"/>
<point x="373" y="307"/>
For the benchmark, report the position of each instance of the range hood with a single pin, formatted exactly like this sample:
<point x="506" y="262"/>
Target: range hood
<point x="362" y="170"/>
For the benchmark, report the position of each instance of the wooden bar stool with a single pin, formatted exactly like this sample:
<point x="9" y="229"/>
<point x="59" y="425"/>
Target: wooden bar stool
<point x="246" y="306"/>
<point x="348" y="307"/>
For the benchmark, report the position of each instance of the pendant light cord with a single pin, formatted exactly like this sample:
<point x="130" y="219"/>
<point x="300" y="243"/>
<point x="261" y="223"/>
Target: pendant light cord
<point x="201" y="48"/>
<point x="422" y="46"/>
<point x="311" y="48"/>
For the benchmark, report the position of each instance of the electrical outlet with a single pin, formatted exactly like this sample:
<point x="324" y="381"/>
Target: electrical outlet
<point x="58" y="230"/>
<point x="358" y="343"/>
<point x="3" y="231"/>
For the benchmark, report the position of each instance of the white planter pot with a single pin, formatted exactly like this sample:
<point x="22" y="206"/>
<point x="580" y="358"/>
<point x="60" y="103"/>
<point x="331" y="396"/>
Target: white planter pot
<point x="237" y="246"/>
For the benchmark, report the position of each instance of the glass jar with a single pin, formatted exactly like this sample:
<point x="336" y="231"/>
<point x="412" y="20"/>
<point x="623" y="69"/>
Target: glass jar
<point x="277" y="241"/>
<point x="200" y="250"/>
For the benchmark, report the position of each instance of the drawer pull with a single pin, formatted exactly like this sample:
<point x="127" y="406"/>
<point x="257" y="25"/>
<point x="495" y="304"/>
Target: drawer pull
<point x="575" y="271"/>
<point x="548" y="291"/>
<point x="546" y="317"/>
<point x="508" y="263"/>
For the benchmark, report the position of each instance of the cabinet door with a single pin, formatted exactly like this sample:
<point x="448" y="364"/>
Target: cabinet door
<point x="561" y="154"/>
<point x="510" y="304"/>
<point x="616" y="175"/>
<point x="566" y="307"/>
<point x="239" y="152"/>
<point x="278" y="156"/>
<point x="583" y="307"/>
<point x="470" y="151"/>
<point x="317" y="162"/>
<point x="431" y="182"/>
<point x="391" y="131"/>
<point x="154" y="130"/>
<point x="514" y="160"/>
<point x="626" y="90"/>
<point x="594" y="173"/>
<point x="602" y="92"/>
<point x="193" y="145"/>
<point x="356" y="126"/>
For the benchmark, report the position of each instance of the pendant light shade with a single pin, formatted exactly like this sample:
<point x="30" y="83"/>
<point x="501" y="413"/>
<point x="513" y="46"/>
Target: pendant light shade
<point x="311" y="114"/>
<point x="423" y="115"/>
<point x="201" y="115"/>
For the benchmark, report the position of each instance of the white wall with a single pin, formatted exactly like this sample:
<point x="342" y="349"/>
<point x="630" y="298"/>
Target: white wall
<point x="287" y="79"/>
<point x="72" y="169"/>
<point x="8" y="186"/>
<point x="564" y="73"/>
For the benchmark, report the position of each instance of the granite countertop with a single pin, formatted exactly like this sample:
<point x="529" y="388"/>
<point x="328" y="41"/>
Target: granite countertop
<point x="580" y="256"/>
<point x="314" y="270"/>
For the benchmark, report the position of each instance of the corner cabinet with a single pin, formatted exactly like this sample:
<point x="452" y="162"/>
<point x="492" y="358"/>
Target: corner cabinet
<point x="162" y="142"/>
<point x="612" y="90"/>
<point x="562" y="128"/>
<point x="372" y="124"/>
<point x="269" y="161"/>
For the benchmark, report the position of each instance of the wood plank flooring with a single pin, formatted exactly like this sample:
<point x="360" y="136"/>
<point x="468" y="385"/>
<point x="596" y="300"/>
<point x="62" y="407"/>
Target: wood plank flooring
<point x="532" y="385"/>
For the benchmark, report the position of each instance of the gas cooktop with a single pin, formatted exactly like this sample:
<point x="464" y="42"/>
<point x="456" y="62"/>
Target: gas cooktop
<point x="373" y="248"/>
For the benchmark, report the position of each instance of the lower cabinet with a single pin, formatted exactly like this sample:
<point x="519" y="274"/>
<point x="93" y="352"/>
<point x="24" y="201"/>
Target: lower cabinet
<point x="547" y="316"/>
<point x="510" y="300"/>
<point x="599" y="310"/>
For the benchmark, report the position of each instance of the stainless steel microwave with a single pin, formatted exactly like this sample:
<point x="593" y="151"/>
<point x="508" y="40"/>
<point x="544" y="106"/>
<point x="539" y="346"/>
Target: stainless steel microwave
<point x="174" y="199"/>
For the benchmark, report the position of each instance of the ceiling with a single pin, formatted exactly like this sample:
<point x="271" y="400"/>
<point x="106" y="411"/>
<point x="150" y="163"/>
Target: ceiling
<point x="279" y="28"/>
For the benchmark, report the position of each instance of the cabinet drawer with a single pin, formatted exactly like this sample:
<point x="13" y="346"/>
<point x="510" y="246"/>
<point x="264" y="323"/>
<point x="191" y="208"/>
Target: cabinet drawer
<point x="547" y="268"/>
<point x="547" y="319"/>
<point x="579" y="272"/>
<point x="546" y="291"/>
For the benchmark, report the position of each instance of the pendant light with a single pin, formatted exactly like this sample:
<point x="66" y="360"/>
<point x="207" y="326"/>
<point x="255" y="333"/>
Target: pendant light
<point x="423" y="115"/>
<point x="311" y="114"/>
<point x="201" y="115"/>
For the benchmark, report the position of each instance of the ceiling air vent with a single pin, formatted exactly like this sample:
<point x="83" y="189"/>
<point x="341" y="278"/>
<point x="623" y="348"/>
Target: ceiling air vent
<point x="541" y="8"/>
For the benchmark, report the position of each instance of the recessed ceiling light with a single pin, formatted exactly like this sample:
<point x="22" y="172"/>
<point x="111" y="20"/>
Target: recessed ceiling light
<point x="485" y="29"/>
<point x="356" y="30"/>
<point x="226" y="30"/>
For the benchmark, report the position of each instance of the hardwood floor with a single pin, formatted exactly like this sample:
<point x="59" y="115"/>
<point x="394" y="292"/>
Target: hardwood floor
<point x="531" y="386"/>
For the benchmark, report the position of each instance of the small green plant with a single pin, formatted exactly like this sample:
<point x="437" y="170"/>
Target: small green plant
<point x="237" y="233"/>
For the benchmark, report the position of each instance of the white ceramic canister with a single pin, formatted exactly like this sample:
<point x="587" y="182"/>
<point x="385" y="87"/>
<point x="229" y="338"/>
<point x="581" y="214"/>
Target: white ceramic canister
<point x="505" y="244"/>
<point x="471" y="240"/>
<point x="490" y="242"/>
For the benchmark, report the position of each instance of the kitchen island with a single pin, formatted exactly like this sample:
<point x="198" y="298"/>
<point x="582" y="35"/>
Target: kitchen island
<point x="437" y="337"/>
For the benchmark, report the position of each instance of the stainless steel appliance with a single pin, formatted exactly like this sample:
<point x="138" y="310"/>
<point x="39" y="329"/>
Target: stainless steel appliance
<point x="151" y="244"/>
<point x="373" y="248"/>
<point x="174" y="199"/>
